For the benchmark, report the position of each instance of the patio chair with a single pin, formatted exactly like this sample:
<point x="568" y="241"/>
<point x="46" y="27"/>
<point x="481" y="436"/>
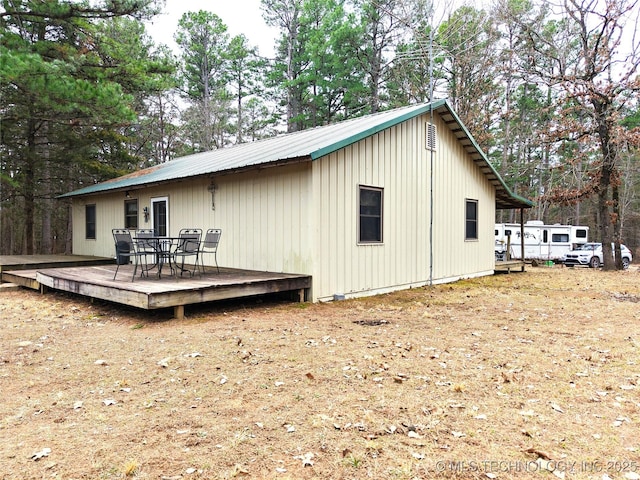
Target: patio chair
<point x="126" y="249"/>
<point x="188" y="246"/>
<point x="210" y="245"/>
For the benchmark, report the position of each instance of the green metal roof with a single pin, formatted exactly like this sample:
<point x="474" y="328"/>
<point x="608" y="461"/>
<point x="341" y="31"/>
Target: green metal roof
<point x="307" y="144"/>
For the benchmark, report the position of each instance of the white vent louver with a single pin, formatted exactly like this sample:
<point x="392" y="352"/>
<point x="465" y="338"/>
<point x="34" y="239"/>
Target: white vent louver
<point x="430" y="135"/>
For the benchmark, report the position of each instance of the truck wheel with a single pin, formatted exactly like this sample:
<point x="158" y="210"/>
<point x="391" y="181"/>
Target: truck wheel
<point x="594" y="262"/>
<point x="625" y="262"/>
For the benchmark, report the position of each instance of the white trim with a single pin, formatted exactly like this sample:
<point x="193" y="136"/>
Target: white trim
<point x="158" y="200"/>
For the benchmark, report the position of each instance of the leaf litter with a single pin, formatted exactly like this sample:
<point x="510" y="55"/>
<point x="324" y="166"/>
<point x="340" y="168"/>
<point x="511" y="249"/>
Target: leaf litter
<point x="506" y="370"/>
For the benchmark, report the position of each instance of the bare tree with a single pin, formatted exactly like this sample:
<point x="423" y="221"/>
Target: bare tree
<point x="589" y="55"/>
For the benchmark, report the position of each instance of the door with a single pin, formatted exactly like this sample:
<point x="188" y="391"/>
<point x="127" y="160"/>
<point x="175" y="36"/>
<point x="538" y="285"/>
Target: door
<point x="160" y="216"/>
<point x="545" y="250"/>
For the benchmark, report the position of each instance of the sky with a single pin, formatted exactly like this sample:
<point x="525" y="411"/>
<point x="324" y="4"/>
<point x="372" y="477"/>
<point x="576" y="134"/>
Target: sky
<point x="240" y="16"/>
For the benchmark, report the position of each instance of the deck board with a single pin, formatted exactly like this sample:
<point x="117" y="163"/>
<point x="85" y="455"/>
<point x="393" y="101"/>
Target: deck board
<point x="27" y="262"/>
<point x="152" y="292"/>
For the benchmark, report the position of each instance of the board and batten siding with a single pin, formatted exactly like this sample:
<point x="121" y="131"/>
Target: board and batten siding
<point x="189" y="204"/>
<point x="397" y="161"/>
<point x="263" y="214"/>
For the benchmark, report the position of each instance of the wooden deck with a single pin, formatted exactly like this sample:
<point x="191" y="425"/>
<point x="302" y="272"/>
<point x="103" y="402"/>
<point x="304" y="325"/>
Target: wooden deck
<point x="151" y="293"/>
<point x="27" y="262"/>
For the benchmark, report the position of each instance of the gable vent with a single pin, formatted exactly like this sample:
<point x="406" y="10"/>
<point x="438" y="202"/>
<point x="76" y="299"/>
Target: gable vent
<point x="430" y="135"/>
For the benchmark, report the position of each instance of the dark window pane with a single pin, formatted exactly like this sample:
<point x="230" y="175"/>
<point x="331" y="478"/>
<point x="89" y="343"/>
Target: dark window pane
<point x="370" y="215"/>
<point x="131" y="214"/>
<point x="90" y="221"/>
<point x="471" y="220"/>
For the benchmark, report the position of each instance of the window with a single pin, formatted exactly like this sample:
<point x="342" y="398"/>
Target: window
<point x="581" y="233"/>
<point x="131" y="213"/>
<point x="430" y="136"/>
<point x="90" y="222"/>
<point x="507" y="233"/>
<point x="370" y="215"/>
<point x="560" y="238"/>
<point x="471" y="220"/>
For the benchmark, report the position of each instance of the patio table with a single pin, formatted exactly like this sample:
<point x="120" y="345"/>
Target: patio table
<point x="163" y="248"/>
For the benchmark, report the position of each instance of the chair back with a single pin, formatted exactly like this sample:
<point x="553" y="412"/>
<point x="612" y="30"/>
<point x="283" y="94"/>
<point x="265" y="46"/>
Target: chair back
<point x="145" y="233"/>
<point x="146" y="240"/>
<point x="189" y="240"/>
<point x="212" y="239"/>
<point x="122" y="236"/>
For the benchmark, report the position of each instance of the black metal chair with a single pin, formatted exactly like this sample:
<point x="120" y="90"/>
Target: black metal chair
<point x="127" y="249"/>
<point x="210" y="245"/>
<point x="188" y="246"/>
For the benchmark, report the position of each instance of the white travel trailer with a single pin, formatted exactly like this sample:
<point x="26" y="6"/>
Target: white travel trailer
<point x="541" y="242"/>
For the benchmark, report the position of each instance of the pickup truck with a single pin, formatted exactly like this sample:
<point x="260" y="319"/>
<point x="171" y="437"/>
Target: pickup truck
<point x="591" y="254"/>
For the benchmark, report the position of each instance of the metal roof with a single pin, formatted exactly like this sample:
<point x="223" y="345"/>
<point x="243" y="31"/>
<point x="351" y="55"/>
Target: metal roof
<point x="307" y="144"/>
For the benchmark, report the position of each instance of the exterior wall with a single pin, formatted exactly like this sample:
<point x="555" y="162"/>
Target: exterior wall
<point x="263" y="214"/>
<point x="303" y="218"/>
<point x="397" y="161"/>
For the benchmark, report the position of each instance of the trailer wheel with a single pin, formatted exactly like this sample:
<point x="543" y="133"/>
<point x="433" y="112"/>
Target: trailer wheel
<point x="594" y="262"/>
<point x="625" y="263"/>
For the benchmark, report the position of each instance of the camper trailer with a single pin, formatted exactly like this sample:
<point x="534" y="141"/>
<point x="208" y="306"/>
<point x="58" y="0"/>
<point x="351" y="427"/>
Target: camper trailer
<point x="541" y="242"/>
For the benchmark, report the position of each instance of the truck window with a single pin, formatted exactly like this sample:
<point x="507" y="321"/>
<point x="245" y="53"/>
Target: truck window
<point x="507" y="233"/>
<point x="581" y="233"/>
<point x="560" y="238"/>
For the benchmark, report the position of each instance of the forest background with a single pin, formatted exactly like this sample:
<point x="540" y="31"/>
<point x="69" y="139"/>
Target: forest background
<point x="548" y="89"/>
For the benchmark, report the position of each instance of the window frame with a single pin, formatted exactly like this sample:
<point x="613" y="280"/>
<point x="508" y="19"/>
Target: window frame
<point x="90" y="221"/>
<point x="470" y="222"/>
<point x="366" y="216"/>
<point x="129" y="217"/>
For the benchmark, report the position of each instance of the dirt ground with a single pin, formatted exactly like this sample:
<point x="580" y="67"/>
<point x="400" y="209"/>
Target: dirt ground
<point x="533" y="375"/>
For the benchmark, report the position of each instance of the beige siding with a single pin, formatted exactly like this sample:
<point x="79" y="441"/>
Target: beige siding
<point x="303" y="218"/>
<point x="263" y="216"/>
<point x="397" y="161"/>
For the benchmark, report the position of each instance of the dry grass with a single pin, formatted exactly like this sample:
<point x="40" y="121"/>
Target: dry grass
<point x="510" y="376"/>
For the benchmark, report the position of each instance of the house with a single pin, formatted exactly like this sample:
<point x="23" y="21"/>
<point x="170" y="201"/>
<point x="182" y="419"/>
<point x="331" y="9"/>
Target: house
<point x="393" y="200"/>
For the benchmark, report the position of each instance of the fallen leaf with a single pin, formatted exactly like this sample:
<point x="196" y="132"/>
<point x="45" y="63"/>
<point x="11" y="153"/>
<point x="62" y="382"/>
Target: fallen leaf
<point x="100" y="362"/>
<point x="77" y="405"/>
<point x="164" y="363"/>
<point x="109" y="401"/>
<point x="540" y="453"/>
<point x="310" y="376"/>
<point x="307" y="459"/>
<point x="42" y="453"/>
<point x="557" y="408"/>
